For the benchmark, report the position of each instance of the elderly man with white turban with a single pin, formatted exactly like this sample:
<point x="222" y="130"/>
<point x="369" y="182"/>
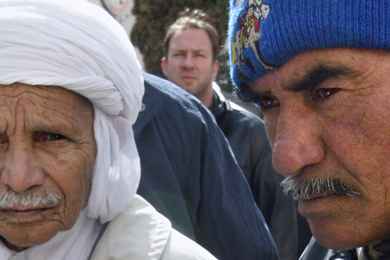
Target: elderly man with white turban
<point x="70" y="89"/>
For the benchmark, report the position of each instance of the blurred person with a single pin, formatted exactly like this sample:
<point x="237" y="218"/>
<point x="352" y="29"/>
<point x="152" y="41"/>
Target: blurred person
<point x="191" y="50"/>
<point x="190" y="176"/>
<point x="183" y="155"/>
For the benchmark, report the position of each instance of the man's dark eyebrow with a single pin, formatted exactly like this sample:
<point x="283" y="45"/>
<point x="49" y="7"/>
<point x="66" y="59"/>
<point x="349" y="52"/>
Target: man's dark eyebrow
<point x="319" y="74"/>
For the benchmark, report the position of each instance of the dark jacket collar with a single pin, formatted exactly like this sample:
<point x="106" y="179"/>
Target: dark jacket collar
<point x="220" y="105"/>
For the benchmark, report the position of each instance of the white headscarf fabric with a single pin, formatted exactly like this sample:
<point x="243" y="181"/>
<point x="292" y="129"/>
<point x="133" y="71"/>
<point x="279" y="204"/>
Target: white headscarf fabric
<point x="78" y="46"/>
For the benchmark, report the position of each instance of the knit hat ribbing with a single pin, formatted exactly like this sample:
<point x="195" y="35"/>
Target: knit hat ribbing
<point x="263" y="35"/>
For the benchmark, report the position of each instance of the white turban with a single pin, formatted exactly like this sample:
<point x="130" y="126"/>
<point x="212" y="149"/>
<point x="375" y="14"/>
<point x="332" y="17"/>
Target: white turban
<point x="77" y="45"/>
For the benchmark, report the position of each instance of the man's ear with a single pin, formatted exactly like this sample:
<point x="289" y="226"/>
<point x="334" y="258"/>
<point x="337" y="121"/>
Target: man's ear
<point x="164" y="66"/>
<point x="215" y="68"/>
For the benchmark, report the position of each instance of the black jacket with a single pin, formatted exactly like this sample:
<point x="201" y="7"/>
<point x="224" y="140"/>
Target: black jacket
<point x="189" y="175"/>
<point x="246" y="134"/>
<point x="318" y="252"/>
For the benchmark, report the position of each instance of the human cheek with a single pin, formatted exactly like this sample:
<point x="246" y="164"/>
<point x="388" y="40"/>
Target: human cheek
<point x="79" y="185"/>
<point x="70" y="177"/>
<point x="174" y="65"/>
<point x="360" y="146"/>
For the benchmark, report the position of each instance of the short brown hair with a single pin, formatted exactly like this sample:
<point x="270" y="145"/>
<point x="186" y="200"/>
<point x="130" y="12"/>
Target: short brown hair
<point x="195" y="19"/>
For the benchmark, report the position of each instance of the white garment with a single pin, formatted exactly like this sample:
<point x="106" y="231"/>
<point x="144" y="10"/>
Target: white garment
<point x="57" y="248"/>
<point x="360" y="255"/>
<point x="77" y="45"/>
<point x="141" y="233"/>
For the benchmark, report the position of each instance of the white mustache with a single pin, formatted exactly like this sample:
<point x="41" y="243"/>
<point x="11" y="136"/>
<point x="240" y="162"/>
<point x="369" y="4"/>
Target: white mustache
<point x="31" y="198"/>
<point x="316" y="187"/>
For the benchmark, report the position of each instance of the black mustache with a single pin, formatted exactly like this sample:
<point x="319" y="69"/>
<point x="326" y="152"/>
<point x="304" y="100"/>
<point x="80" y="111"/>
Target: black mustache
<point x="316" y="187"/>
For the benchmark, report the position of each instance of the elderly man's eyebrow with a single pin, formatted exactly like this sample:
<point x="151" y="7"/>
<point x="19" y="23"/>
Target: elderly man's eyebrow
<point x="319" y="74"/>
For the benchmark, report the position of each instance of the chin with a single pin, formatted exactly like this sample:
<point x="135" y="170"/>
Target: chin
<point x="334" y="243"/>
<point x="340" y="239"/>
<point x="19" y="244"/>
<point x="21" y="237"/>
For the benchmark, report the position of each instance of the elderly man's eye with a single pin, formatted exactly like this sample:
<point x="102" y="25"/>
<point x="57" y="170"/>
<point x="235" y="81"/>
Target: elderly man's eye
<point x="325" y="92"/>
<point x="267" y="102"/>
<point x="54" y="137"/>
<point x="43" y="136"/>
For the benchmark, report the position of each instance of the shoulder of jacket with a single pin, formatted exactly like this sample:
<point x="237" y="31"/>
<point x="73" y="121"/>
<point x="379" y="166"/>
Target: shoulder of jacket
<point x="181" y="247"/>
<point x="138" y="232"/>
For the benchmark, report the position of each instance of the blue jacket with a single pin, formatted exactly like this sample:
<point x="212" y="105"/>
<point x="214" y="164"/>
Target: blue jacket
<point x="248" y="140"/>
<point x="189" y="175"/>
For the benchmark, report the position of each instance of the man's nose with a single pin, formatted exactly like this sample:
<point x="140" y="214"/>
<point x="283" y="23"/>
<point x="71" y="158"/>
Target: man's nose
<point x="188" y="61"/>
<point x="297" y="141"/>
<point x="20" y="172"/>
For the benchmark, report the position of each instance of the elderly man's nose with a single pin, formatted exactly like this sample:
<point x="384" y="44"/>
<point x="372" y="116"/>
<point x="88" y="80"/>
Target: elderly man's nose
<point x="297" y="143"/>
<point x="20" y="172"/>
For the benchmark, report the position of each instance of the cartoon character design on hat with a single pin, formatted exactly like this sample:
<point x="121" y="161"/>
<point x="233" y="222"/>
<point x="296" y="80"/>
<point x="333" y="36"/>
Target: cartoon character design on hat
<point x="247" y="37"/>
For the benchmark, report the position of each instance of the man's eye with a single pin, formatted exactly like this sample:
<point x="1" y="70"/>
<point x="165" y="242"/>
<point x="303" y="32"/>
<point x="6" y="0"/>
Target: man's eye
<point x="55" y="137"/>
<point x="177" y="54"/>
<point x="42" y="136"/>
<point x="267" y="102"/>
<point x="325" y="92"/>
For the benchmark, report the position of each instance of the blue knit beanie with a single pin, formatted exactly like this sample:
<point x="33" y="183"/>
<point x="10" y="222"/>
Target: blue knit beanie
<point x="264" y="34"/>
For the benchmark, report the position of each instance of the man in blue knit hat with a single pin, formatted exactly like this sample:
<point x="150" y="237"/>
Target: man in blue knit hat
<point x="319" y="72"/>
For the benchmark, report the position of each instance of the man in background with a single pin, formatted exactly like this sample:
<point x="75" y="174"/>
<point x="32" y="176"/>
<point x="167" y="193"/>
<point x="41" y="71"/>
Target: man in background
<point x="191" y="49"/>
<point x="188" y="173"/>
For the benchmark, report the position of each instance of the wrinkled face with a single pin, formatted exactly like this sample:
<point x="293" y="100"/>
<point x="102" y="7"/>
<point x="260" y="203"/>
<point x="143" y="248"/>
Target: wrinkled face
<point x="47" y="152"/>
<point x="328" y="122"/>
<point x="189" y="63"/>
